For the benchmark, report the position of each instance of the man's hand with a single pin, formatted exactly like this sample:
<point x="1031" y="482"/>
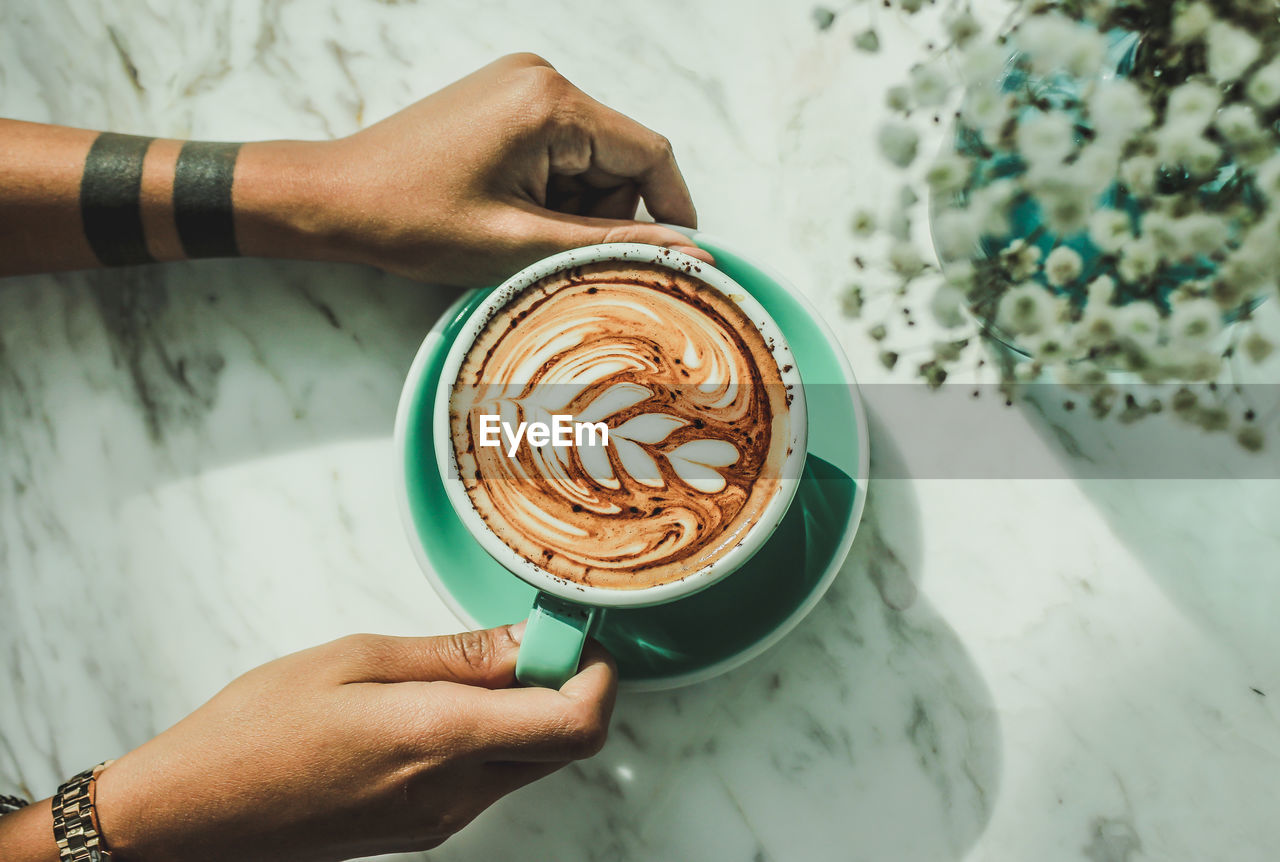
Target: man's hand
<point x="363" y="746"/>
<point x="506" y="166"/>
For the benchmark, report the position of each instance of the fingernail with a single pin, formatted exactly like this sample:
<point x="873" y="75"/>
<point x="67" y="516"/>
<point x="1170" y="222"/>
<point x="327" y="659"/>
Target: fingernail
<point x="693" y="251"/>
<point x="517" y="631"/>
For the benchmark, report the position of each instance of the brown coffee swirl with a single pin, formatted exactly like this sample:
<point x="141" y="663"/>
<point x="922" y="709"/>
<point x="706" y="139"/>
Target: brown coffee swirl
<point x="690" y="392"/>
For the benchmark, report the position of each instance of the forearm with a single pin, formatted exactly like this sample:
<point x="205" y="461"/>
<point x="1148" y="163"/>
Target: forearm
<point x="77" y="199"/>
<point x="27" y="835"/>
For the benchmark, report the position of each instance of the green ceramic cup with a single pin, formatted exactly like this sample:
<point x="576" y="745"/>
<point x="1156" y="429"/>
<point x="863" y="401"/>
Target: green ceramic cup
<point x="564" y="612"/>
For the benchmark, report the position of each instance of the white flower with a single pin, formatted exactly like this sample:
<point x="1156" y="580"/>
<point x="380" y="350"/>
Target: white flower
<point x="1102" y="290"/>
<point x="1237" y="123"/>
<point x="1182" y="144"/>
<point x="956" y="234"/>
<point x="985" y="110"/>
<point x="1191" y="105"/>
<point x="948" y="173"/>
<point x="1138" y="259"/>
<point x="1066" y="204"/>
<point x="1027" y="309"/>
<point x="1268" y="178"/>
<point x="1098" y="326"/>
<point x="1194" y="322"/>
<point x="1138" y="323"/>
<point x="1192" y="22"/>
<point x="1139" y="175"/>
<point x="899" y="143"/>
<point x="1202" y="233"/>
<point x="1231" y="50"/>
<point x="1118" y="109"/>
<point x="947" y="306"/>
<point x="963" y="27"/>
<point x="990" y="206"/>
<point x="1063" y="266"/>
<point x="1162" y="232"/>
<point x="1045" y="138"/>
<point x="1109" y="229"/>
<point x="984" y="62"/>
<point x="898" y="98"/>
<point x="929" y="86"/>
<point x="1055" y="44"/>
<point x="1264" y="86"/>
<point x="1020" y="260"/>
<point x="1097" y="166"/>
<point x="905" y="259"/>
<point x="863" y="222"/>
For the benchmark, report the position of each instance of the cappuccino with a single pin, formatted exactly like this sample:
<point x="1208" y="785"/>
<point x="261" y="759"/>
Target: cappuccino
<point x="687" y="415"/>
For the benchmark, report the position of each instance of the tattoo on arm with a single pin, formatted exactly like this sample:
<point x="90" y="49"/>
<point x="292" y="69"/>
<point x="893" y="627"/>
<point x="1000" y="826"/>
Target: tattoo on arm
<point x="109" y="199"/>
<point x="202" y="199"/>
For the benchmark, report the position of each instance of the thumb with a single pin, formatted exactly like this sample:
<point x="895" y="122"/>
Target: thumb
<point x="551" y="232"/>
<point x="486" y="658"/>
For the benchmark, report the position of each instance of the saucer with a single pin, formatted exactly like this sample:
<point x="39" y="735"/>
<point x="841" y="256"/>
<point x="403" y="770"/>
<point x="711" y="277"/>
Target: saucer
<point x="719" y="628"/>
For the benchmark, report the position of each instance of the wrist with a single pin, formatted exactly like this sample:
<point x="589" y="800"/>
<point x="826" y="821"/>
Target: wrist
<point x="286" y="201"/>
<point x="26" y="835"/>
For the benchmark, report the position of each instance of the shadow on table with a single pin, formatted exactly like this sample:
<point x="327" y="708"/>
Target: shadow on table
<point x="868" y="733"/>
<point x="1195" y="508"/>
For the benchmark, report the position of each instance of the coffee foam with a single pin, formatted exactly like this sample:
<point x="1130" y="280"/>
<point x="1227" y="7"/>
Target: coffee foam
<point x="698" y="424"/>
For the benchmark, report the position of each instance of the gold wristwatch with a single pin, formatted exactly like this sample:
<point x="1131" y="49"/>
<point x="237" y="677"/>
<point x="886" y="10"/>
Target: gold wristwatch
<point x="74" y="827"/>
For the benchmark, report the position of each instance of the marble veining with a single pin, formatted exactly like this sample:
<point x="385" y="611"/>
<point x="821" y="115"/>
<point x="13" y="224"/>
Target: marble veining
<point x="1059" y="664"/>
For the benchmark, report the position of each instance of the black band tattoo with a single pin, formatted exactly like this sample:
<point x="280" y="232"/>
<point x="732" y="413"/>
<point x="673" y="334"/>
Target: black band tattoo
<point x="110" y="204"/>
<point x="202" y="199"/>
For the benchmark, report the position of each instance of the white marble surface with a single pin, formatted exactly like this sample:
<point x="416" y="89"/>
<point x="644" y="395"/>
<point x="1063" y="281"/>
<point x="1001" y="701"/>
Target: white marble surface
<point x="195" y="465"/>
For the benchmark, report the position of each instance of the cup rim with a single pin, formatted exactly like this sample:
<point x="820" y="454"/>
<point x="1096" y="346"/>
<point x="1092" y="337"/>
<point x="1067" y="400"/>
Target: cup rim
<point x="525" y="569"/>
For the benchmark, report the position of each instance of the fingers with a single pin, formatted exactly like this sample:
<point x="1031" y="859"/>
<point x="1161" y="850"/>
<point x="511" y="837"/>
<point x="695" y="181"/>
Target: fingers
<point x="484" y="658"/>
<point x="545" y="725"/>
<point x="548" y="232"/>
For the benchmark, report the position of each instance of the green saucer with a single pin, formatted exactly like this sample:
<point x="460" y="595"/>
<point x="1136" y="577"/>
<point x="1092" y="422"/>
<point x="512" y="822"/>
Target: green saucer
<point x="705" y="634"/>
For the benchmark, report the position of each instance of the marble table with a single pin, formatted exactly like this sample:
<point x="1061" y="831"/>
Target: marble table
<point x="1060" y="661"/>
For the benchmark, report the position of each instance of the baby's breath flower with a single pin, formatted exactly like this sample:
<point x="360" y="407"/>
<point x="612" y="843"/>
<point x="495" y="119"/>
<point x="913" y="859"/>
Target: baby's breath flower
<point x="1046" y="137"/>
<point x="1138" y="323"/>
<point x="947" y="306"/>
<point x="1256" y="346"/>
<point x="1139" y="175"/>
<point x="983" y="62"/>
<point x="863" y="222"/>
<point x="963" y="27"/>
<point x="1102" y="290"/>
<point x="1027" y="309"/>
<point x="1063" y="266"/>
<point x="1109" y="229"/>
<point x="1267" y="177"/>
<point x="868" y="40"/>
<point x="1118" y="109"/>
<point x="985" y="110"/>
<point x="949" y="173"/>
<point x="1191" y="106"/>
<point x="1231" y="50"/>
<point x="1194" y="322"/>
<point x="1020" y="260"/>
<point x="1066" y="206"/>
<point x="905" y="259"/>
<point x="899" y="143"/>
<point x="1264" y="87"/>
<point x="851" y="301"/>
<point x="1056" y="44"/>
<point x="1202" y="233"/>
<point x="956" y="234"/>
<point x="898" y="98"/>
<point x="1192" y="22"/>
<point x="929" y="86"/>
<point x="1138" y="260"/>
<point x="1237" y="123"/>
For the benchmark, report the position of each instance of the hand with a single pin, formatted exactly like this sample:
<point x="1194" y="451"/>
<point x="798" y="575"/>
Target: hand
<point x="363" y="746"/>
<point x="506" y="166"/>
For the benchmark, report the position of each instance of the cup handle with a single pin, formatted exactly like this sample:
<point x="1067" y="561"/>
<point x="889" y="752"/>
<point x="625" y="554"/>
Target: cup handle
<point x="552" y="643"/>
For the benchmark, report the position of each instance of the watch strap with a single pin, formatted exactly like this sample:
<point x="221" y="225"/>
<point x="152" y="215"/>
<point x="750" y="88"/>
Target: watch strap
<point x="74" y="827"/>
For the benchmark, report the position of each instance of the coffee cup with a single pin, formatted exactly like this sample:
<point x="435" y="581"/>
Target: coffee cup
<point x="700" y="506"/>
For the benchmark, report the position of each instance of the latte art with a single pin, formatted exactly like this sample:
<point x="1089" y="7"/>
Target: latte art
<point x="695" y="408"/>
